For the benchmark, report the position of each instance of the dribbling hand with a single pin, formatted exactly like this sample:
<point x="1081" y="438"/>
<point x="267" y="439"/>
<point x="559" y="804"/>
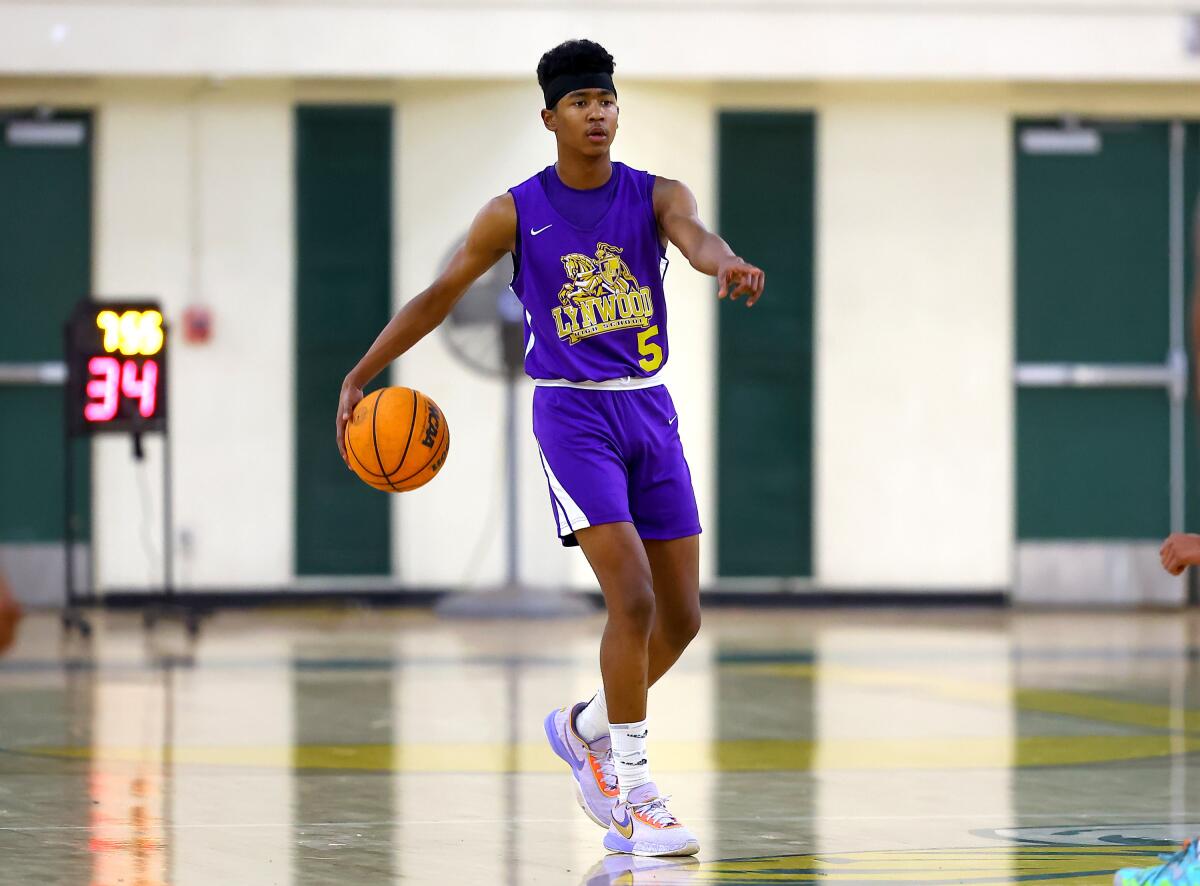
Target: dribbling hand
<point x="349" y="398"/>
<point x="1180" y="551"/>
<point x="737" y="277"/>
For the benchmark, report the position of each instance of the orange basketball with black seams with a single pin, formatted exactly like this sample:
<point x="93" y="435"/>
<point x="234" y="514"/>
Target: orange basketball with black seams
<point x="397" y="439"/>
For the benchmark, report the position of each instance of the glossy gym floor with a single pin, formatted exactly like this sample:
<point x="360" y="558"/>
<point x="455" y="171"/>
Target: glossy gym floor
<point x="372" y="747"/>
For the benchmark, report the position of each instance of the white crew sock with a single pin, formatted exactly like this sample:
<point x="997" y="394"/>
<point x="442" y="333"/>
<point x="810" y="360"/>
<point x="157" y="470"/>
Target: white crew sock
<point x="592" y="722"/>
<point x="629" y="756"/>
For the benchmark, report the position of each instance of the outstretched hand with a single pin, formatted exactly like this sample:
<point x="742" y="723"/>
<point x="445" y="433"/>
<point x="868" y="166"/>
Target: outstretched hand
<point x="349" y="398"/>
<point x="1180" y="551"/>
<point x="737" y="277"/>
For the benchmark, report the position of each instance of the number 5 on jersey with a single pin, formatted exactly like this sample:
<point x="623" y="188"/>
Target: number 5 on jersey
<point x="652" y="355"/>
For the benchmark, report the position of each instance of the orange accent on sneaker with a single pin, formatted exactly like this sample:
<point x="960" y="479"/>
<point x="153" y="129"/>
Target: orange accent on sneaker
<point x="599" y="776"/>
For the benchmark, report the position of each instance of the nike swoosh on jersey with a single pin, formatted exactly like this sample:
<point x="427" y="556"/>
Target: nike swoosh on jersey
<point x="533" y="233"/>
<point x="672" y="421"/>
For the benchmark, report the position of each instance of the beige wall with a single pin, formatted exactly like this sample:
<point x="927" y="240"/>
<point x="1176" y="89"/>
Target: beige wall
<point x="914" y="400"/>
<point x="913" y="418"/>
<point x="193" y="206"/>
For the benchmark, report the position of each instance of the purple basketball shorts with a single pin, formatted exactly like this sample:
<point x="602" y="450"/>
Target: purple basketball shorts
<point x="613" y="456"/>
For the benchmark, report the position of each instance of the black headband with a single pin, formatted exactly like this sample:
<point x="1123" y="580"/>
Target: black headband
<point x="565" y="83"/>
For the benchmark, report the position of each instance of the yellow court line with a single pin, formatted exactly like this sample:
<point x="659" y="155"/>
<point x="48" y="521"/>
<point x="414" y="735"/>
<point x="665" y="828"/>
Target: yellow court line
<point x="1049" y="701"/>
<point x="698" y="756"/>
<point x="1107" y="710"/>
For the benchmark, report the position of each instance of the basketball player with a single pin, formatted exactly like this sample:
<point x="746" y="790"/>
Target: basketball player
<point x="588" y="237"/>
<point x="1182" y="549"/>
<point x="1178" y="552"/>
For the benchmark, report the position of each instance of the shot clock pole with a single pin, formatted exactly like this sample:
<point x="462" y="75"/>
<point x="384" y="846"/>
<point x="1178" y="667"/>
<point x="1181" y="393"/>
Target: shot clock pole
<point x="71" y="617"/>
<point x="168" y="516"/>
<point x="117" y="383"/>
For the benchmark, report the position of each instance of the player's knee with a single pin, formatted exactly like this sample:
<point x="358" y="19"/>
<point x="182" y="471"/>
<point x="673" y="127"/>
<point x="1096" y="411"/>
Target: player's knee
<point x="634" y="604"/>
<point x="682" y="627"/>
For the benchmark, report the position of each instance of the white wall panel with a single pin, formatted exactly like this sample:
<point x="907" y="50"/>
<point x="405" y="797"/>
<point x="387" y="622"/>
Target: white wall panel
<point x="194" y="207"/>
<point x="142" y="238"/>
<point x="914" y="391"/>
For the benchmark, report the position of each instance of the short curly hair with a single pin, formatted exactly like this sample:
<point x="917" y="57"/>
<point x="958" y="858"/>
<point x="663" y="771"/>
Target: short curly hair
<point x="574" y="57"/>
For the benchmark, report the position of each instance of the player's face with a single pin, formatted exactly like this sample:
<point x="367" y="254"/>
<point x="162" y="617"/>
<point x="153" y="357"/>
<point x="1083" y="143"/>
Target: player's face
<point x="585" y="120"/>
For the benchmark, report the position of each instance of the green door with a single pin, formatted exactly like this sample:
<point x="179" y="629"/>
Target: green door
<point x="45" y="268"/>
<point x="343" y="295"/>
<point x="1101" y="256"/>
<point x="764" y="376"/>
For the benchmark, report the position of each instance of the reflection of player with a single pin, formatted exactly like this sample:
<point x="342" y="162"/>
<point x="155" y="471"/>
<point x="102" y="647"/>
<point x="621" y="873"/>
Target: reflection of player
<point x="10" y="614"/>
<point x="607" y="431"/>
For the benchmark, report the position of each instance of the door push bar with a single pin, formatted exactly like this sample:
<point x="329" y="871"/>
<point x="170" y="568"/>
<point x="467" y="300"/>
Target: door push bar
<point x="52" y="373"/>
<point x="1172" y="375"/>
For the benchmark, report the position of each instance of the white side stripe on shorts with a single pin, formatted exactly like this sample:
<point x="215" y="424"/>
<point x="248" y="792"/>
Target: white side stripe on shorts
<point x="573" y="514"/>
<point x="560" y="518"/>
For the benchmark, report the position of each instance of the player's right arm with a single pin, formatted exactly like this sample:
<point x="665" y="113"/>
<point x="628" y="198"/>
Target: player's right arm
<point x="492" y="234"/>
<point x="1181" y="549"/>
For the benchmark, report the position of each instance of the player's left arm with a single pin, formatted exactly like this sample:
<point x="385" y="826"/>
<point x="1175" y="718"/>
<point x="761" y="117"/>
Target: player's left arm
<point x="679" y="220"/>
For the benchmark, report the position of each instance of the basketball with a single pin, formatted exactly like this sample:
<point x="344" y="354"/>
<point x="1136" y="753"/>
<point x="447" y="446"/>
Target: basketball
<point x="397" y="439"/>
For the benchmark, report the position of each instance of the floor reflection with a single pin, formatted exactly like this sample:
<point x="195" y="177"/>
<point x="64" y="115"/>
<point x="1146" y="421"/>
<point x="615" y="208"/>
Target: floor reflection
<point x="130" y="802"/>
<point x="804" y="747"/>
<point x="335" y="708"/>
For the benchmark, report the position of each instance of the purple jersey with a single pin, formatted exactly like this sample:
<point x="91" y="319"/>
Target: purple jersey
<point x="593" y="297"/>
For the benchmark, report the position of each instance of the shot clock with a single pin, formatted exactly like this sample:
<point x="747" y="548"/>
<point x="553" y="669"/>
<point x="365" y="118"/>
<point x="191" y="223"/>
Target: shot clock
<point x="116" y="355"/>
<point x="116" y="368"/>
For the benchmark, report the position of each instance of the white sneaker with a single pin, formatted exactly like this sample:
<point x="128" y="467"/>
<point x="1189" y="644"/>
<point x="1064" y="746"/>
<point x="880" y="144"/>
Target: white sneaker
<point x="591" y="765"/>
<point x="643" y="825"/>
